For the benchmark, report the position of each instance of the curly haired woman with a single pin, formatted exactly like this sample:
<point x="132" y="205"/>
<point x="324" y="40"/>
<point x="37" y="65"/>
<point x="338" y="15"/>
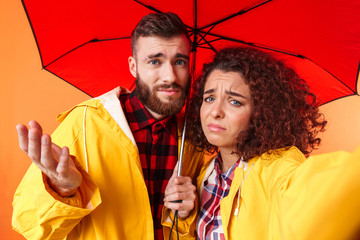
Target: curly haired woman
<point x="262" y="121"/>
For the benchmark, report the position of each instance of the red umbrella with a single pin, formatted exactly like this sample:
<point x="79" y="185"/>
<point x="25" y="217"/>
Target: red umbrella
<point x="87" y="43"/>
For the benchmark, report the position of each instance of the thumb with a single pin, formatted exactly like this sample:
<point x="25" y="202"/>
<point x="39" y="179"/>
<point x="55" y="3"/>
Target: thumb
<point x="176" y="168"/>
<point x="174" y="174"/>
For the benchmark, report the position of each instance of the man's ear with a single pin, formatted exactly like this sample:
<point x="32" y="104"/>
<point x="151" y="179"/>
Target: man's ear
<point x="132" y="66"/>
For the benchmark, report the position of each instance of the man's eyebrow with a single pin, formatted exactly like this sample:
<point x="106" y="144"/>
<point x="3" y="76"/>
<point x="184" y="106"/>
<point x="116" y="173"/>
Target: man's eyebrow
<point x="235" y="94"/>
<point x="179" y="55"/>
<point x="156" y="55"/>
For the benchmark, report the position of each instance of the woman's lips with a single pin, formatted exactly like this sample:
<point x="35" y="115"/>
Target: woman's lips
<point x="215" y="127"/>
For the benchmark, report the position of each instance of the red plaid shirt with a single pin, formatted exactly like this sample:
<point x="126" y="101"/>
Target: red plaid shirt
<point x="158" y="148"/>
<point x="216" y="187"/>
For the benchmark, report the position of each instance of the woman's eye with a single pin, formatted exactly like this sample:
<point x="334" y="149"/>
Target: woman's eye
<point x="235" y="103"/>
<point x="209" y="99"/>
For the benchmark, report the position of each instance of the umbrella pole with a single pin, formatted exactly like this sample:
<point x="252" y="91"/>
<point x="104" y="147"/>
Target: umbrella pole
<point x="193" y="49"/>
<point x="181" y="150"/>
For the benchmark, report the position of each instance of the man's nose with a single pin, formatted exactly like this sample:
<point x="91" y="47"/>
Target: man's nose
<point x="168" y="74"/>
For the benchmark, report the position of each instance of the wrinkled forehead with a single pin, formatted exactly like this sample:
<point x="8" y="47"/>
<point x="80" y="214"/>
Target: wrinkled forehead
<point x="227" y="81"/>
<point x="229" y="78"/>
<point x="179" y="43"/>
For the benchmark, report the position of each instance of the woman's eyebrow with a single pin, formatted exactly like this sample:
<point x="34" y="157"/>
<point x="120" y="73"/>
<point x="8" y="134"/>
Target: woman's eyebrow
<point x="235" y="94"/>
<point x="209" y="91"/>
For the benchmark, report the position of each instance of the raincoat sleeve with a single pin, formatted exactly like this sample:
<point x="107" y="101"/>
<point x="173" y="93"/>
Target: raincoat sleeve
<point x="321" y="199"/>
<point x="186" y="228"/>
<point x="39" y="212"/>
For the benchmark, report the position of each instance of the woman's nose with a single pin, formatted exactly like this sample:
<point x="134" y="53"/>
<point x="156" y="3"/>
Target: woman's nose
<point x="217" y="110"/>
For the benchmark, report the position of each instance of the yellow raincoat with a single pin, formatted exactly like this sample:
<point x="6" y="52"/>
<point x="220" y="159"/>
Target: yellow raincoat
<point x="293" y="198"/>
<point x="113" y="203"/>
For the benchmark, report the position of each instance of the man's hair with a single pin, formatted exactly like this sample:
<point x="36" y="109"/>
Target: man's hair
<point x="285" y="111"/>
<point x="164" y="25"/>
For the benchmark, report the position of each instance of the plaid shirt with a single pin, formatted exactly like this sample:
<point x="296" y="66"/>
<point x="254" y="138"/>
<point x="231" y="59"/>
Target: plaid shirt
<point x="216" y="187"/>
<point x="158" y="148"/>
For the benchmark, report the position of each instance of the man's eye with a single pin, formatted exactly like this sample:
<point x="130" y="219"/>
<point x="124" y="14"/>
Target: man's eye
<point x="180" y="62"/>
<point x="154" y="62"/>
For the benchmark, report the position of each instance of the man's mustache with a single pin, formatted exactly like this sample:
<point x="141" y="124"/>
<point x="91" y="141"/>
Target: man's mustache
<point x="167" y="86"/>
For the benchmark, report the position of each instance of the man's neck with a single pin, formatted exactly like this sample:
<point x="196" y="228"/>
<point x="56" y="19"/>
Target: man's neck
<point x="154" y="114"/>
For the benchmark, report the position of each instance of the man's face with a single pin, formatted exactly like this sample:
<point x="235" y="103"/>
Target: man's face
<point x="161" y="69"/>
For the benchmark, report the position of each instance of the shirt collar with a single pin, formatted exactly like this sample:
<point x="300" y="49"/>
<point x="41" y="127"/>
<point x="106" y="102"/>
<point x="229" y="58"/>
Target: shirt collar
<point x="228" y="175"/>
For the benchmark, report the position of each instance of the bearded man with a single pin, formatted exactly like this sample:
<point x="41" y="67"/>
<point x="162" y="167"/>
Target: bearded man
<point x="103" y="172"/>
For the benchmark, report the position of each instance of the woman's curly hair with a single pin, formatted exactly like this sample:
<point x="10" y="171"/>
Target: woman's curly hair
<point x="285" y="111"/>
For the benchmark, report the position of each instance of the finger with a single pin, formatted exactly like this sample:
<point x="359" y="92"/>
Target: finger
<point x="47" y="158"/>
<point x="63" y="165"/>
<point x="179" y="184"/>
<point x="185" y="206"/>
<point x="34" y="138"/>
<point x="172" y="205"/>
<point x="183" y="180"/>
<point x="35" y="125"/>
<point x="183" y="196"/>
<point x="23" y="137"/>
<point x="34" y="145"/>
<point x="56" y="150"/>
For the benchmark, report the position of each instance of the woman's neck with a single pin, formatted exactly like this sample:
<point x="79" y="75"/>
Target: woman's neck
<point x="229" y="158"/>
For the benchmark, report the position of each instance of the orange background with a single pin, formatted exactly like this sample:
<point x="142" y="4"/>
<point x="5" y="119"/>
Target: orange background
<point x="31" y="93"/>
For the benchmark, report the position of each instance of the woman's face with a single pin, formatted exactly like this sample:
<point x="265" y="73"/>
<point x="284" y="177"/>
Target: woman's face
<point x="226" y="108"/>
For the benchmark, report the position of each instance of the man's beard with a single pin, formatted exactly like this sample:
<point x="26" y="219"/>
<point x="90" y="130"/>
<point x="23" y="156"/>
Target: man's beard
<point x="149" y="99"/>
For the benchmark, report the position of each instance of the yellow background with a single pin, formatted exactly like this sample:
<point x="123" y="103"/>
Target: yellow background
<point x="27" y="92"/>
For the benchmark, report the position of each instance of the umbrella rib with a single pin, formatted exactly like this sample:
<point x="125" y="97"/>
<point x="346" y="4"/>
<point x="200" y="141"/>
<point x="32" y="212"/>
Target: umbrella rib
<point x="91" y="41"/>
<point x="256" y="45"/>
<point x="211" y="41"/>
<point x="283" y="52"/>
<point x="205" y="47"/>
<point x="70" y="83"/>
<point x="203" y="37"/>
<point x="206" y="42"/>
<point x="236" y="14"/>
<point x="148" y="6"/>
<point x="33" y="31"/>
<point x="195" y="31"/>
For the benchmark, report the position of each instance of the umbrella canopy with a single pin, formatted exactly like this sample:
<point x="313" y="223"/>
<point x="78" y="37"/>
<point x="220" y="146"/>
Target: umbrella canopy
<point x="87" y="43"/>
